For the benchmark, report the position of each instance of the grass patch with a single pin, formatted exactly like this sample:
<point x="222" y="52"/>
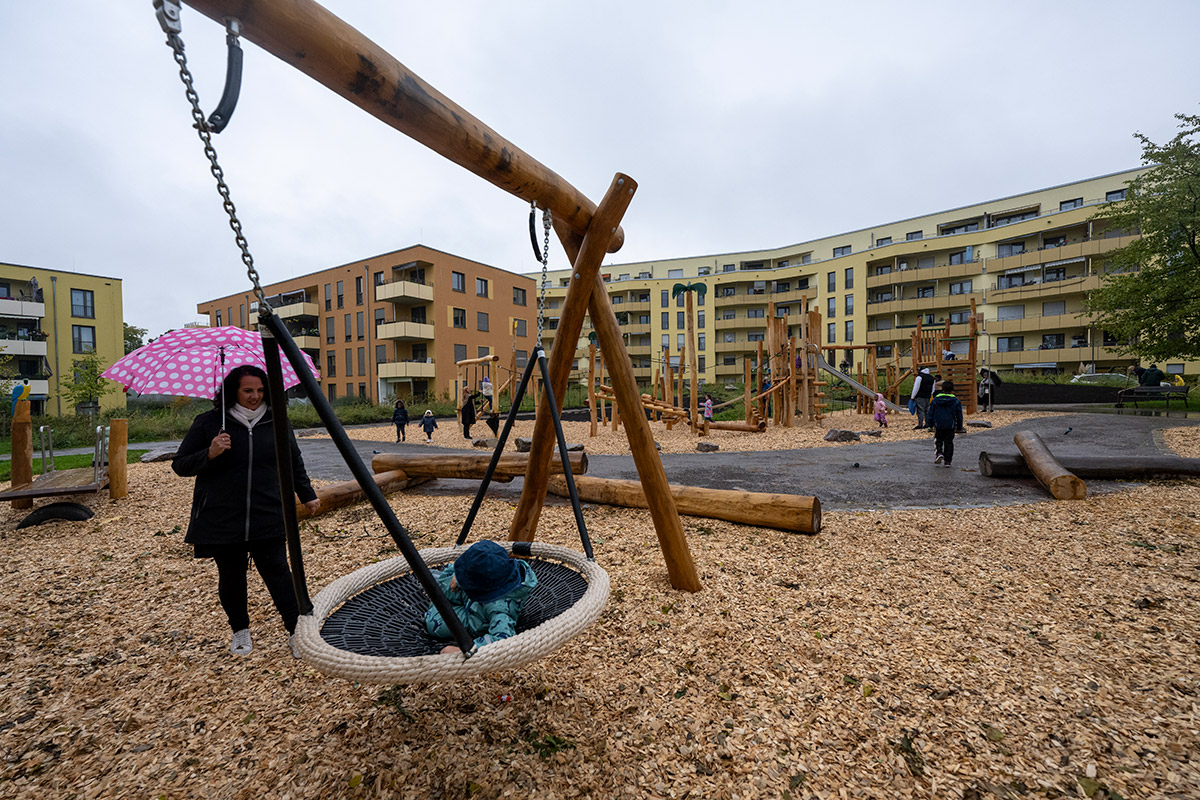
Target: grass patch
<point x="67" y="462"/>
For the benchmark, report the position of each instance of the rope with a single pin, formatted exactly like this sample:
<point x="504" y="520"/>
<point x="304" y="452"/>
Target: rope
<point x="502" y="655"/>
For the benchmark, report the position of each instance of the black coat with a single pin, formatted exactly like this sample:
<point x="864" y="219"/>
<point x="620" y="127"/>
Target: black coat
<point x="236" y="497"/>
<point x="468" y="411"/>
<point x="400" y="416"/>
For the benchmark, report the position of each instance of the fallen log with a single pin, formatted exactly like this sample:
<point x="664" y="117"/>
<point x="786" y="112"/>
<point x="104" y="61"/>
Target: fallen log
<point x="1047" y="469"/>
<point x="733" y="425"/>
<point x="345" y="494"/>
<point x="998" y="465"/>
<point x="468" y="465"/>
<point x="787" y="512"/>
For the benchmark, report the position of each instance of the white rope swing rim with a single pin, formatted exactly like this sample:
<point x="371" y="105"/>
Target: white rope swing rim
<point x="505" y="654"/>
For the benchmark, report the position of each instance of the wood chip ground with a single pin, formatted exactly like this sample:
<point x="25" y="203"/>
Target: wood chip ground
<point x="1047" y="650"/>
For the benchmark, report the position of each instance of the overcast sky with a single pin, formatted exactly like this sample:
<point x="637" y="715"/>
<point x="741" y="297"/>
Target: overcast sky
<point x="747" y="126"/>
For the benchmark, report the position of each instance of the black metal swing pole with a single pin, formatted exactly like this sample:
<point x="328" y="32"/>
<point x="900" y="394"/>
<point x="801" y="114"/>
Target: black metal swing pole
<point x="562" y="449"/>
<point x="365" y="480"/>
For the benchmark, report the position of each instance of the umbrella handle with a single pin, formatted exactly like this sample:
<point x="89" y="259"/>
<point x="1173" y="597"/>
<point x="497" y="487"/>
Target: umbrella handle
<point x="221" y="379"/>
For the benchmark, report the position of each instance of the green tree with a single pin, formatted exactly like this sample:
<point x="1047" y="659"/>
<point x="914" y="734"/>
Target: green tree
<point x="86" y="384"/>
<point x="135" y="337"/>
<point x="1151" y="298"/>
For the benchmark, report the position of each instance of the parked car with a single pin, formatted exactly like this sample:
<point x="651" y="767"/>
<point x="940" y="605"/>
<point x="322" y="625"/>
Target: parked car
<point x="1117" y="379"/>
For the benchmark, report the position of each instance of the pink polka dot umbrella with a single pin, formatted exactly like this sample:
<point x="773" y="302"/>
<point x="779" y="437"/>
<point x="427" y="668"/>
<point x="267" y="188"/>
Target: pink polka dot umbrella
<point x="192" y="362"/>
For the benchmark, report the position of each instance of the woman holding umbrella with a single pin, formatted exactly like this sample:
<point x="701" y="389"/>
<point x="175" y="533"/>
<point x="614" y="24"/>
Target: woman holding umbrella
<point x="236" y="509"/>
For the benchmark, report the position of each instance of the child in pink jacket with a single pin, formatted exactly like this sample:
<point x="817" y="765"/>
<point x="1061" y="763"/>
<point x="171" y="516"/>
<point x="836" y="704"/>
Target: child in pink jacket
<point x="880" y="411"/>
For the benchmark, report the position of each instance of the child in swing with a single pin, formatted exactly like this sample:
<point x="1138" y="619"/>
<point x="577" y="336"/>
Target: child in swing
<point x="487" y="590"/>
<point x="880" y="410"/>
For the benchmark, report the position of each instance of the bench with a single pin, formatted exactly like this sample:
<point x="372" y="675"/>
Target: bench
<point x="1135" y="393"/>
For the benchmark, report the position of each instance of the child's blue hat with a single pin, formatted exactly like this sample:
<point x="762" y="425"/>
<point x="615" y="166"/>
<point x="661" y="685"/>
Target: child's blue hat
<point x="485" y="572"/>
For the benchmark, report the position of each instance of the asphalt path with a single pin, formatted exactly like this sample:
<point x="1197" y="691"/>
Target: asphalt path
<point x="888" y="474"/>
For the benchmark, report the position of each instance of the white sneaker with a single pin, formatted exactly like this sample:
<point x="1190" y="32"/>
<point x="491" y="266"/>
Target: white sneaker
<point x="241" y="644"/>
<point x="938" y="459"/>
<point x="295" y="647"/>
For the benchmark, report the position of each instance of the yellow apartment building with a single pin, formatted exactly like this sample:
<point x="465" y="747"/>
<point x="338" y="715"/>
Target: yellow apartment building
<point x="1026" y="261"/>
<point x="393" y="325"/>
<point x="50" y="318"/>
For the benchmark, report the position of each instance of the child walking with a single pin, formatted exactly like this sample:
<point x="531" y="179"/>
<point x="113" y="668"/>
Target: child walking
<point x="880" y="410"/>
<point x="400" y="420"/>
<point x="945" y="417"/>
<point x="487" y="590"/>
<point x="428" y="423"/>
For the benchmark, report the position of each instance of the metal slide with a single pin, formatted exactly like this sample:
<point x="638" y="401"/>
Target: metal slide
<point x="837" y="373"/>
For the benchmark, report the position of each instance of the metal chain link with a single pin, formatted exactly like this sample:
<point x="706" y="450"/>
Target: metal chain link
<point x="202" y="129"/>
<point x="545" y="259"/>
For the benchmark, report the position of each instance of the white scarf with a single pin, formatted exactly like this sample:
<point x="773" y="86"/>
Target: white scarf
<point x="246" y="416"/>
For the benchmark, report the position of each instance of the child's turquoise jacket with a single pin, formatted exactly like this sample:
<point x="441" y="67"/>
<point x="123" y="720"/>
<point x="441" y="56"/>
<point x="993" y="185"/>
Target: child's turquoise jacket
<point x="487" y="622"/>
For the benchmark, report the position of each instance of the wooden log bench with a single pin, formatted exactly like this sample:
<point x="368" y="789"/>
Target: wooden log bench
<point x="1135" y="393"/>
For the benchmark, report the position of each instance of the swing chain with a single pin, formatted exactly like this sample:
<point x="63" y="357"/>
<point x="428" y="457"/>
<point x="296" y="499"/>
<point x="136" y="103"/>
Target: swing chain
<point x="203" y="130"/>
<point x="545" y="259"/>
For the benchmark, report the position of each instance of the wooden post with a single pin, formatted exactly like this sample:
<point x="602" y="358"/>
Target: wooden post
<point x="972" y="357"/>
<point x="762" y="409"/>
<point x="1045" y="467"/>
<point x="22" y="452"/>
<point x="669" y="385"/>
<point x="118" y="469"/>
<point x="691" y="346"/>
<point x="746" y="388"/>
<point x="682" y="361"/>
<point x="654" y="393"/>
<point x="592" y="387"/>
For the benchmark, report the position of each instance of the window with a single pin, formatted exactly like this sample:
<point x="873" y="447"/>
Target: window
<point x="726" y="291"/>
<point x="665" y="298"/>
<point x="459" y="319"/>
<point x="924" y="291"/>
<point x="883" y="241"/>
<point x="1053" y="274"/>
<point x="362" y="391"/>
<point x="844" y="250"/>
<point x="666" y="340"/>
<point x="522" y="358"/>
<point x="681" y="300"/>
<point x="358" y="290"/>
<point x="831" y="332"/>
<point x="458" y="282"/>
<point x="960" y="287"/>
<point x="959" y="317"/>
<point x="329" y="335"/>
<point x="379" y="279"/>
<point x="755" y="336"/>
<point x="831" y="281"/>
<point x="914" y="236"/>
<point x="849" y="304"/>
<point x="1007" y="219"/>
<point x="700" y="340"/>
<point x="926" y="319"/>
<point x="883" y="324"/>
<point x="729" y="336"/>
<point x="360" y="325"/>
<point x="83" y="303"/>
<point x="349" y="390"/>
<point x="729" y="361"/>
<point x="1112" y="197"/>
<point x="420" y="352"/>
<point x="960" y="257"/>
<point x="340" y="300"/>
<point x="965" y="227"/>
<point x="883" y="351"/>
<point x="1009" y="249"/>
<point x="483" y="352"/>
<point x="831" y="307"/>
<point x="1053" y="241"/>
<point x="704" y="271"/>
<point x="700" y="364"/>
<point x="378" y="317"/>
<point x="666" y="320"/>
<point x="680" y="341"/>
<point x="518" y="296"/>
<point x="643" y="319"/>
<point x="674" y="273"/>
<point x="849" y="278"/>
<point x="481" y="287"/>
<point x="1067" y="205"/>
<point x="1174" y="369"/>
<point x="349" y="335"/>
<point x="849" y="330"/>
<point x="349" y="362"/>
<point x="925" y="263"/>
<point x="729" y="314"/>
<point x="330" y="364"/>
<point x="700" y="298"/>
<point x="218" y="319"/>
<point x="417" y="314"/>
<point x="758" y="287"/>
<point x="1052" y="341"/>
<point x="519" y="326"/>
<point x="883" y="269"/>
<point x="699" y="319"/>
<point x="756" y="313"/>
<point x="328" y="299"/>
<point x="728" y="268"/>
<point x="362" y="361"/>
<point x="380" y="353"/>
<point x="481" y="320"/>
<point x="1011" y="343"/>
<point x="1055" y="308"/>
<point x="83" y="339"/>
<point x="806" y="258"/>
<point x="680" y="320"/>
<point x="332" y="392"/>
<point x="1010" y="312"/>
<point x="460" y="352"/>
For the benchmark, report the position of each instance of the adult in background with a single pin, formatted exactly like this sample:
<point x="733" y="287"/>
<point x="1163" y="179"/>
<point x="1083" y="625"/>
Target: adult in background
<point x="400" y="420"/>
<point x="467" y="412"/>
<point x="236" y="509"/>
<point x="1151" y="377"/>
<point x="486" y="389"/>
<point x="921" y="392"/>
<point x="988" y="381"/>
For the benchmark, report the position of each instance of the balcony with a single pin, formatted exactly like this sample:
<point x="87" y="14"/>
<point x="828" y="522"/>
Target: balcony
<point x="638" y="349"/>
<point x="735" y="347"/>
<point x="1071" y="320"/>
<point x="743" y="299"/>
<point x="792" y="296"/>
<point x="21" y="347"/>
<point x="740" y="322"/>
<point x="404" y="293"/>
<point x="10" y="307"/>
<point x="287" y="311"/>
<point x="940" y="300"/>
<point x="1067" y="356"/>
<point x="940" y="271"/>
<point x="307" y="342"/>
<point x="632" y="307"/>
<point x="394" y="370"/>
<point x="1075" y="284"/>
<point x="889" y="335"/>
<point x="404" y="331"/>
<point x="1080" y="249"/>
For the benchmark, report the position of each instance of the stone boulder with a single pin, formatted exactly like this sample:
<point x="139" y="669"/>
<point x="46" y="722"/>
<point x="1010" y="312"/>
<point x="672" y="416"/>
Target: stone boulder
<point x="876" y="433"/>
<point x="161" y="454"/>
<point x="490" y="444"/>
<point x="978" y="423"/>
<point x="835" y="435"/>
<point x="707" y="447"/>
<point x="524" y="445"/>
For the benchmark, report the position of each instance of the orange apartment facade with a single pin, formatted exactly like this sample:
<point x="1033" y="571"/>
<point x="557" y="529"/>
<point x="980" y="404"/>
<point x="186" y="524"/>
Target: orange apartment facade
<point x="393" y="325"/>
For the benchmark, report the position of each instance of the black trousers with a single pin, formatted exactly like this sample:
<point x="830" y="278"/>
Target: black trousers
<point x="943" y="439"/>
<point x="270" y="557"/>
<point x="400" y="437"/>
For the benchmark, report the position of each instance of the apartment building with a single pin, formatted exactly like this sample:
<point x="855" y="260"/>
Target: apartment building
<point x="1027" y="262"/>
<point x="393" y="325"/>
<point x="48" y="320"/>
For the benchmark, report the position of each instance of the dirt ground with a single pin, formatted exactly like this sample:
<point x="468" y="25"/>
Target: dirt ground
<point x="1045" y="650"/>
<point x="681" y="440"/>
